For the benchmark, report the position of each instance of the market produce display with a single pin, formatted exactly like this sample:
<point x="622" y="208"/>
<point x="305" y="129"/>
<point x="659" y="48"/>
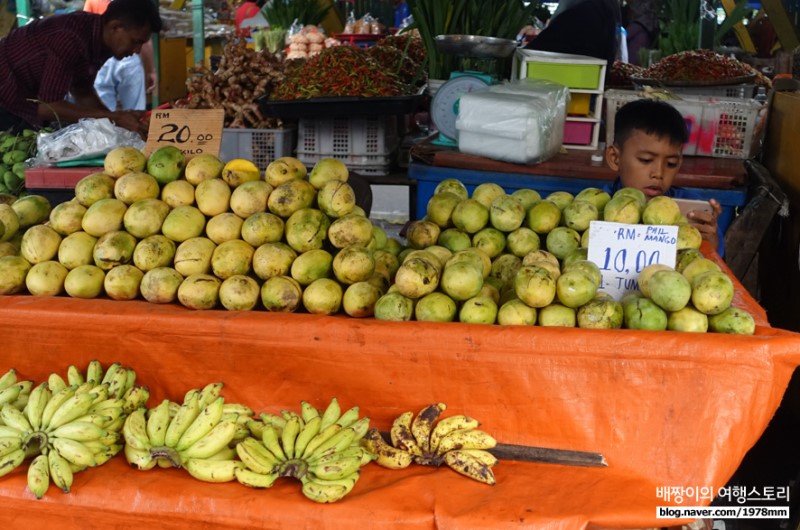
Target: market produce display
<point x="207" y="234"/>
<point x="520" y="260"/>
<point x="339" y="71"/>
<point x="243" y="76"/>
<point x="455" y="441"/>
<point x="66" y="427"/>
<point x="623" y="74"/>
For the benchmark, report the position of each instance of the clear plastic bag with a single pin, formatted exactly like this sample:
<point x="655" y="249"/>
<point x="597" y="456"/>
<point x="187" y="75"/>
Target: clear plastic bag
<point x="89" y="138"/>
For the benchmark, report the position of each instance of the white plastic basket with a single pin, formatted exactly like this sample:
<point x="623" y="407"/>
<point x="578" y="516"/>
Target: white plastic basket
<point x="349" y="136"/>
<point x="740" y="91"/>
<point x="261" y="146"/>
<point x="718" y="127"/>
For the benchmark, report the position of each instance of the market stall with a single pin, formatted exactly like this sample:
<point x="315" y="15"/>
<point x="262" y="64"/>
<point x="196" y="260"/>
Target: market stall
<point x="664" y="409"/>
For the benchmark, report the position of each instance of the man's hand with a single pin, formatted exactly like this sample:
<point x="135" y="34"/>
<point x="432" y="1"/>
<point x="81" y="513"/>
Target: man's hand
<point x="150" y="82"/>
<point x="131" y="120"/>
<point x="707" y="223"/>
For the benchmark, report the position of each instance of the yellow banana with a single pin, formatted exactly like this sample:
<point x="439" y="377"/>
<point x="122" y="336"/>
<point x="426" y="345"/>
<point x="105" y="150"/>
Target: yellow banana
<point x="353" y="451"/>
<point x="226" y="453"/>
<point x="310" y="430"/>
<point x="8" y="378"/>
<point x="421" y="425"/>
<point x="386" y="455"/>
<point x="206" y="420"/>
<point x="135" y="397"/>
<point x="289" y="436"/>
<point x="10" y="394"/>
<point x="217" y="438"/>
<point x="349" y="417"/>
<point x="11" y="461"/>
<point x="465" y="439"/>
<point x="9" y="444"/>
<point x="110" y="372"/>
<point x="337" y="469"/>
<point x="83" y="388"/>
<point x="270" y="440"/>
<point x="139" y="458"/>
<point x="36" y="403"/>
<point x="212" y="470"/>
<point x="289" y="414"/>
<point x="101" y="457"/>
<point x="60" y="471"/>
<point x="254" y="479"/>
<point x="157" y="424"/>
<point x="73" y="452"/>
<point x="182" y="419"/>
<point x="481" y="455"/>
<point x="243" y="411"/>
<point x="135" y="431"/>
<point x="115" y="425"/>
<point x="210" y="393"/>
<point x="447" y="425"/>
<point x="256" y="428"/>
<point x="117" y="383"/>
<point x="256" y="457"/>
<point x="12" y="417"/>
<point x="469" y="466"/>
<point x="273" y="419"/>
<point x="56" y="383"/>
<point x="401" y="434"/>
<point x="308" y="411"/>
<point x="321" y="438"/>
<point x="39" y="476"/>
<point x="323" y="491"/>
<point x="79" y="431"/>
<point x="103" y="407"/>
<point x="102" y="393"/>
<point x="21" y="401"/>
<point x="74" y="407"/>
<point x="94" y="372"/>
<point x="131" y="380"/>
<point x="74" y="376"/>
<point x="96" y="419"/>
<point x="56" y="400"/>
<point x="331" y="414"/>
<point x="11" y="432"/>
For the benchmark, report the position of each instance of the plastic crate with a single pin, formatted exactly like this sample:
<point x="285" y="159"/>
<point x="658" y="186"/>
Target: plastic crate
<point x="718" y="127"/>
<point x="366" y="144"/>
<point x="261" y="146"/>
<point x="573" y="71"/>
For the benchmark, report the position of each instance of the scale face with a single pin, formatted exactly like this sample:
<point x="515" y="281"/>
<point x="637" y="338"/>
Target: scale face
<point x="444" y="107"/>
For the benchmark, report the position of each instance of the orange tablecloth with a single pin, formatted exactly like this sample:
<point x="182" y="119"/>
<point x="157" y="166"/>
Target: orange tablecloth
<point x="665" y="408"/>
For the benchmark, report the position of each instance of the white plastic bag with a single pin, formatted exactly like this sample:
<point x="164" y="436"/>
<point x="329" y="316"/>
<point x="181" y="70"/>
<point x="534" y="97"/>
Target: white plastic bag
<point x="89" y="138"/>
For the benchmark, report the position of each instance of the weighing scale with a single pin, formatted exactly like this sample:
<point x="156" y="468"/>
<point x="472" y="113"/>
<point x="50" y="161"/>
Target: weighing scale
<point x="444" y="106"/>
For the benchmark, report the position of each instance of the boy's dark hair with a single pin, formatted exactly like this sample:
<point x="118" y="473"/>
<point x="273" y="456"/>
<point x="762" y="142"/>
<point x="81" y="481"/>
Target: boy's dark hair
<point x="134" y="13"/>
<point x="651" y="117"/>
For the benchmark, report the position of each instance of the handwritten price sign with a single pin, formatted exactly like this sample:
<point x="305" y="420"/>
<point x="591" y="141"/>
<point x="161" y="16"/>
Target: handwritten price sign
<point x="623" y="250"/>
<point x="193" y="131"/>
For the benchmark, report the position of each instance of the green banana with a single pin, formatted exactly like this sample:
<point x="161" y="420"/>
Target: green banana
<point x="94" y="372"/>
<point x="135" y="431"/>
<point x="11" y="461"/>
<point x="331" y="414"/>
<point x="9" y="444"/>
<point x="337" y="469"/>
<point x="323" y="436"/>
<point x="14" y="418"/>
<point x="289" y="436"/>
<point x="210" y="393"/>
<point x="308" y="411"/>
<point x="270" y="440"/>
<point x="74" y="376"/>
<point x="348" y="418"/>
<point x="79" y="431"/>
<point x="310" y="430"/>
<point x="8" y="378"/>
<point x="56" y="400"/>
<point x="74" y="407"/>
<point x="56" y="383"/>
<point x="139" y="458"/>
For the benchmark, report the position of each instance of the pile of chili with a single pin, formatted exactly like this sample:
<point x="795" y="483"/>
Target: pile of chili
<point x="339" y="71"/>
<point x="697" y="65"/>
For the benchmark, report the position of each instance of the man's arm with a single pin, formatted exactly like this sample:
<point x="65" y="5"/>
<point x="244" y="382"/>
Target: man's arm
<point x="150" y="75"/>
<point x="88" y="105"/>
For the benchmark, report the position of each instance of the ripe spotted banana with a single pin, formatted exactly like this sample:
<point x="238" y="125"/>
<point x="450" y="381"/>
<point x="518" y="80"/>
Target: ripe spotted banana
<point x="469" y="465"/>
<point x="422" y="424"/>
<point x="386" y="455"/>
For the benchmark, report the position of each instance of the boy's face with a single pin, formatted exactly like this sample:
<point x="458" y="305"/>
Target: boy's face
<point x="645" y="162"/>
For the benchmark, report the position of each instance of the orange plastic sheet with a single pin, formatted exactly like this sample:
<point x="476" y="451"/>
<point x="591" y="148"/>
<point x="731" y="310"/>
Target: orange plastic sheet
<point x="664" y="408"/>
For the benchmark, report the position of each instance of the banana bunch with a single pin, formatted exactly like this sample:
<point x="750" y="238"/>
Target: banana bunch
<point x="121" y="382"/>
<point x="14" y="150"/>
<point x="196" y="435"/>
<point x="455" y="441"/>
<point x="14" y="392"/>
<point x="319" y="448"/>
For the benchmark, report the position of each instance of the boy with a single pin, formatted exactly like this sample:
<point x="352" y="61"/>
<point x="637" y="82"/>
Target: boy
<point x="646" y="154"/>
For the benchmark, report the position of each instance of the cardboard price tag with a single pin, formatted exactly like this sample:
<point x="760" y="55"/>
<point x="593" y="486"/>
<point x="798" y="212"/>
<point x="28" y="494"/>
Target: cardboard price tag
<point x="621" y="251"/>
<point x="193" y="131"/>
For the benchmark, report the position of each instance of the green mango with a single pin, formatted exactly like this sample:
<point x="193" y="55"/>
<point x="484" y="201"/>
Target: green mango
<point x="4" y="189"/>
<point x="18" y="156"/>
<point x="19" y="169"/>
<point x="12" y="181"/>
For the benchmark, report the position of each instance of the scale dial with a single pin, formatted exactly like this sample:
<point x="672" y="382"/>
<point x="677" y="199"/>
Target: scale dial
<point x="444" y="107"/>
